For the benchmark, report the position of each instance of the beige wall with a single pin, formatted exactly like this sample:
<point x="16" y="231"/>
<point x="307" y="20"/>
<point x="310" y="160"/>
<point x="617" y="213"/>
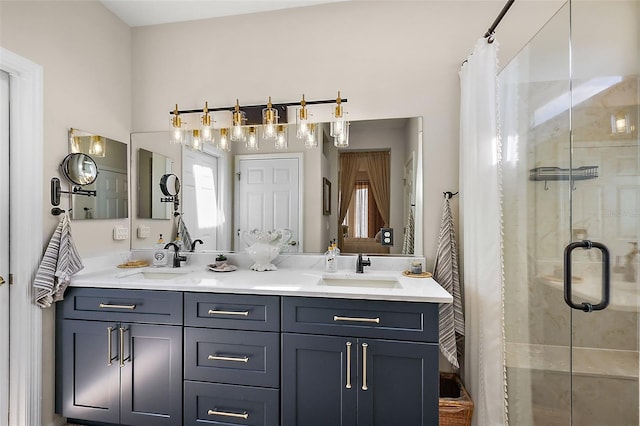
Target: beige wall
<point x="85" y="52"/>
<point x="389" y="58"/>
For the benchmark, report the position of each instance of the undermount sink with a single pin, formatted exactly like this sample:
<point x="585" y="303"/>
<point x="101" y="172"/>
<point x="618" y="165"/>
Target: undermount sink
<point x="357" y="281"/>
<point x="156" y="275"/>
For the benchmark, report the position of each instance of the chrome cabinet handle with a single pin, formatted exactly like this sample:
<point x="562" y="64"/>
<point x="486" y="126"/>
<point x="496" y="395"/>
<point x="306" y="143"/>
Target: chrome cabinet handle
<point x="606" y="284"/>
<point x="348" y="385"/>
<point x="109" y="358"/>
<point x="353" y="319"/>
<point x="122" y="330"/>
<point x="216" y="412"/>
<point x="242" y="313"/>
<point x="228" y="358"/>
<point x="109" y="306"/>
<point x="364" y="366"/>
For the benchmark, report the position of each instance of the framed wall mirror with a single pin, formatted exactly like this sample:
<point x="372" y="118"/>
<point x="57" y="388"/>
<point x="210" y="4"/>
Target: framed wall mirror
<point x="112" y="182"/>
<point x="210" y="204"/>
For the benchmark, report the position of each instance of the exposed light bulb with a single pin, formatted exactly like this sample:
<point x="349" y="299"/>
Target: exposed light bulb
<point x="342" y="140"/>
<point x="223" y="141"/>
<point x="96" y="148"/>
<point x="237" y="131"/>
<point x="177" y="134"/>
<point x="269" y="121"/>
<point x="302" y="120"/>
<point x="252" y="139"/>
<point x="281" y="137"/>
<point x="310" y="139"/>
<point x="207" y="126"/>
<point x="196" y="140"/>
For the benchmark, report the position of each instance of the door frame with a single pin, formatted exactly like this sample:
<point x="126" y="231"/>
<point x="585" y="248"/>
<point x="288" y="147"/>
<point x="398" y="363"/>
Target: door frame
<point x="297" y="155"/>
<point x="26" y="231"/>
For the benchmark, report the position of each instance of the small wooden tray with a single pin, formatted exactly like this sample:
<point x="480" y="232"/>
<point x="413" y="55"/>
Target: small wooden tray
<point x="421" y="275"/>
<point x="134" y="264"/>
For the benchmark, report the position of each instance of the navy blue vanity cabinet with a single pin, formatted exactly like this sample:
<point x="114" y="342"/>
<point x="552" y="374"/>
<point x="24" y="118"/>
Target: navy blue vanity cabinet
<point x="359" y="362"/>
<point x="119" y="356"/>
<point x="231" y="359"/>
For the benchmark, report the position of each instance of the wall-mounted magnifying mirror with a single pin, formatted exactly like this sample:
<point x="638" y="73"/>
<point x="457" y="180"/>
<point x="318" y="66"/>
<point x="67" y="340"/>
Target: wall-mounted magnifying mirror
<point x="170" y="185"/>
<point x="79" y="169"/>
<point x="111" y="184"/>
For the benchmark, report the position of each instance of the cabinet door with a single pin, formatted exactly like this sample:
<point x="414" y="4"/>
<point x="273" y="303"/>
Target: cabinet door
<point x="90" y="372"/>
<point x="318" y="380"/>
<point x="398" y="383"/>
<point x="151" y="377"/>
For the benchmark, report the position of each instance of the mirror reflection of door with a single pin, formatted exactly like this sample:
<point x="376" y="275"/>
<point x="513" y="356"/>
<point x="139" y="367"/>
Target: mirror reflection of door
<point x="268" y="196"/>
<point x="201" y="210"/>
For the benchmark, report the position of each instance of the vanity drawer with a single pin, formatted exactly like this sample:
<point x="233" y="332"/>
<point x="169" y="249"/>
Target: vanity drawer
<point x="218" y="404"/>
<point x="235" y="357"/>
<point x="144" y="306"/>
<point x="232" y="311"/>
<point x="361" y="318"/>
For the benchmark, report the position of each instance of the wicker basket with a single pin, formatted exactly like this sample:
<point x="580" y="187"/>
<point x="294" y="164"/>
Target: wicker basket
<point x="455" y="405"/>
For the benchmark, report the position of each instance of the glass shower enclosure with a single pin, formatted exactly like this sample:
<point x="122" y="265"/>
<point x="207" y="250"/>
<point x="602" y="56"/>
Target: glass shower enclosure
<point x="571" y="204"/>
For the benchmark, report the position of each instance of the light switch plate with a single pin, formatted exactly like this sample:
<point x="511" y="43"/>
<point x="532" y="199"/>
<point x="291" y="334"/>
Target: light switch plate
<point x="120" y="232"/>
<point x="386" y="236"/>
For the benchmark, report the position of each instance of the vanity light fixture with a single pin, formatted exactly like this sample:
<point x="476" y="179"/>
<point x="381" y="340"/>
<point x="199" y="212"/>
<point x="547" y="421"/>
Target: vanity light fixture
<point x="239" y="118"/>
<point x="223" y="140"/>
<point x="311" y="138"/>
<point x="281" y="137"/>
<point x="252" y="139"/>
<point x="74" y="141"/>
<point x="302" y="120"/>
<point x="196" y="140"/>
<point x="269" y="121"/>
<point x="270" y="118"/>
<point x="207" y="127"/>
<point x="342" y="139"/>
<point x="177" y="133"/>
<point x="338" y="123"/>
<point x="97" y="146"/>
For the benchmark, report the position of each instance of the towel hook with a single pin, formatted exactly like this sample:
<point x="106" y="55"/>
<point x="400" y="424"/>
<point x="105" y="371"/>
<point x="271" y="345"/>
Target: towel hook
<point x="448" y="195"/>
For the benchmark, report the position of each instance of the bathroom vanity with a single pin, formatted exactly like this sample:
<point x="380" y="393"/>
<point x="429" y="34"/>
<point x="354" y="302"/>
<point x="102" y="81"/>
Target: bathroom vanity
<point x="288" y="347"/>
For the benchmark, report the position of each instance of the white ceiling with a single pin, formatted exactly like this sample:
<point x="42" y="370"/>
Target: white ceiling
<point x="136" y="13"/>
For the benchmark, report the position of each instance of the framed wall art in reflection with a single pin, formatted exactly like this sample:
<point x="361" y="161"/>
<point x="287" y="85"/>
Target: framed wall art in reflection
<point x="326" y="196"/>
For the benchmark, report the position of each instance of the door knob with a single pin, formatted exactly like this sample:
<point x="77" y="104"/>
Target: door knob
<point x="2" y="281"/>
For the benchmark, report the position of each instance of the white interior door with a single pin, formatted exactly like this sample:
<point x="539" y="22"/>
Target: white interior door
<point x="201" y="197"/>
<point x="268" y="196"/>
<point x="4" y="248"/>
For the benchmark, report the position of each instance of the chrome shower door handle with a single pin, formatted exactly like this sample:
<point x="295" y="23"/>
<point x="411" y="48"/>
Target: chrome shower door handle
<point x="606" y="283"/>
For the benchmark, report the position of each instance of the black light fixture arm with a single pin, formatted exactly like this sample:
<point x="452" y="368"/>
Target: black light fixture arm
<point x="276" y="106"/>
<point x="56" y="191"/>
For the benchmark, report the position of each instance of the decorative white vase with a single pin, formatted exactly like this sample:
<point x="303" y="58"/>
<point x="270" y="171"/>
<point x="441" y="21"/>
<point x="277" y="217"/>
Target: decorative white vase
<point x="264" y="246"/>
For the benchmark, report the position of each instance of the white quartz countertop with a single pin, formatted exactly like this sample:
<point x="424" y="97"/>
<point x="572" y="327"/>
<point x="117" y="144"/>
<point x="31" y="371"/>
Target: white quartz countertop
<point x="372" y="284"/>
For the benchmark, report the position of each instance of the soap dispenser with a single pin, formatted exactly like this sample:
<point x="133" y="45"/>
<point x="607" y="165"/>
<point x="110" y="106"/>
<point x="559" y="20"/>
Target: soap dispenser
<point x="330" y="261"/>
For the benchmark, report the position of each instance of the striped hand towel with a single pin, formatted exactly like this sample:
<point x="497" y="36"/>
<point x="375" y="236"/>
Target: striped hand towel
<point x="184" y="234"/>
<point x="59" y="263"/>
<point x="446" y="273"/>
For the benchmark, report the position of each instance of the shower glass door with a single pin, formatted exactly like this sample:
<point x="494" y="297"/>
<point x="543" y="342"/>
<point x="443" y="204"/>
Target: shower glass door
<point x="571" y="167"/>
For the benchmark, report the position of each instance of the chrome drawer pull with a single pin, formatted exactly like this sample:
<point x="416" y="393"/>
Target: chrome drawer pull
<point x="106" y="305"/>
<point x="243" y="313"/>
<point x="215" y="412"/>
<point x="228" y="358"/>
<point x="364" y="366"/>
<point x="337" y="318"/>
<point x="122" y="330"/>
<point x="348" y="385"/>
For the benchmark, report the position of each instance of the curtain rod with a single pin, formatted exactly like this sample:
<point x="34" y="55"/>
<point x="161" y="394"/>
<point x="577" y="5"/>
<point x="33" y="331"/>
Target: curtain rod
<point x="492" y="29"/>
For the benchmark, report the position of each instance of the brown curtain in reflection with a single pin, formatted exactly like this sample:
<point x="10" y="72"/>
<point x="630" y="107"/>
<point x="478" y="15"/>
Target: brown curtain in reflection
<point x="379" y="169"/>
<point x="349" y="163"/>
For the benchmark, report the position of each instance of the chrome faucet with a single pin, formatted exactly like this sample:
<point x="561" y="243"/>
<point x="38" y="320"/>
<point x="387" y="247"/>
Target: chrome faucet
<point x="177" y="258"/>
<point x="361" y="263"/>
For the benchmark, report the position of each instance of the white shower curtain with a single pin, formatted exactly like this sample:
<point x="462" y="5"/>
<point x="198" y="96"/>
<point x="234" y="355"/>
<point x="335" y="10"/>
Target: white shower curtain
<point x="481" y="238"/>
